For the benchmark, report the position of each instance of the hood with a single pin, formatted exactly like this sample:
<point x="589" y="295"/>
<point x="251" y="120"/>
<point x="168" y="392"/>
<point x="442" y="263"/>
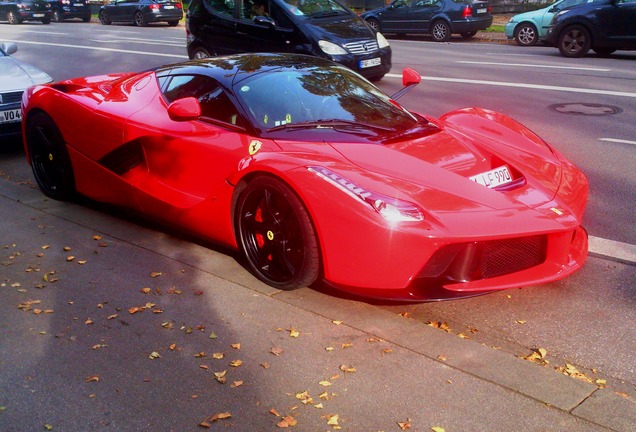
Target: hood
<point x="341" y="29"/>
<point x="17" y="76"/>
<point x="441" y="165"/>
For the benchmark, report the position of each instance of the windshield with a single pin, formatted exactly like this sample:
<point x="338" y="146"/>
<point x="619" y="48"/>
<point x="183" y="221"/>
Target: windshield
<point x="314" y="8"/>
<point x="291" y="99"/>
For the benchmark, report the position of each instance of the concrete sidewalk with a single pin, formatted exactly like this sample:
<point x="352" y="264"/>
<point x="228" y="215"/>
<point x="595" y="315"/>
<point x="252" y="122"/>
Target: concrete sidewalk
<point x="107" y="325"/>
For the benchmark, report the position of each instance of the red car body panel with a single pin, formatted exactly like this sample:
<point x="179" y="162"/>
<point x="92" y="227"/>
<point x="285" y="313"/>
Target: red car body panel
<point x="189" y="172"/>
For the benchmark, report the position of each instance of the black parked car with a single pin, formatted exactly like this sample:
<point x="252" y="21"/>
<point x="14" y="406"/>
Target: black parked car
<point x="439" y="18"/>
<point x="66" y="9"/>
<point x="322" y="28"/>
<point x="16" y="11"/>
<point x="602" y="25"/>
<point x="141" y="12"/>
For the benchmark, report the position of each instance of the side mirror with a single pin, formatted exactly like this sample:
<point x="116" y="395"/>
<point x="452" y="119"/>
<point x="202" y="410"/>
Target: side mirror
<point x="185" y="109"/>
<point x="9" y="47"/>
<point x="553" y="9"/>
<point x="264" y="21"/>
<point x="410" y="78"/>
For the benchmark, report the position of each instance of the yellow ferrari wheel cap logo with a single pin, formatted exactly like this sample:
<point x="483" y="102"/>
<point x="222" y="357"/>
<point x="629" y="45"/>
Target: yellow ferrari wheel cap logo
<point x="50" y="156"/>
<point x="270" y="235"/>
<point x="255" y="146"/>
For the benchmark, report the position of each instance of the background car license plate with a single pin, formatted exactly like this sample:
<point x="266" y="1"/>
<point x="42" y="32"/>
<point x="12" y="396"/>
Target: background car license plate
<point x="38" y="15"/>
<point x="370" y="62"/>
<point x="493" y="178"/>
<point x="168" y="7"/>
<point x="481" y="10"/>
<point x="10" y="116"/>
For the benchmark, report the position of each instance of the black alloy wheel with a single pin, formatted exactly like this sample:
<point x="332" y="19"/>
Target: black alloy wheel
<point x="49" y="158"/>
<point x="103" y="18"/>
<point x="200" y="53"/>
<point x="56" y="16"/>
<point x="374" y="24"/>
<point x="13" y="18"/>
<point x="140" y="21"/>
<point x="574" y="41"/>
<point x="441" y="31"/>
<point x="526" y="34"/>
<point x="275" y="234"/>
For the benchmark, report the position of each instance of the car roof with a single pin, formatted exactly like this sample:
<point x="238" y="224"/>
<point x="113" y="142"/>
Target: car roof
<point x="228" y="70"/>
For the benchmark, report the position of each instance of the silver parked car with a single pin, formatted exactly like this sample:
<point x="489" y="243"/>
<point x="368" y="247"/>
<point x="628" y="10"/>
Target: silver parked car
<point x="15" y="77"/>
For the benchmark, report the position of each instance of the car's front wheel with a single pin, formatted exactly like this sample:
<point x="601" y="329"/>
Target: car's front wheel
<point x="49" y="158"/>
<point x="526" y="34"/>
<point x="574" y="41"/>
<point x="441" y="31"/>
<point x="199" y="53"/>
<point x="140" y="21"/>
<point x="275" y="234"/>
<point x="103" y="18"/>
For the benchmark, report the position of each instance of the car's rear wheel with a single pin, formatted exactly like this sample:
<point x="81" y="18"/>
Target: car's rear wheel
<point x="56" y="16"/>
<point x="468" y="35"/>
<point x="200" y="53"/>
<point x="275" y="234"/>
<point x="441" y="31"/>
<point x="374" y="24"/>
<point x="46" y="21"/>
<point x="49" y="158"/>
<point x="140" y="21"/>
<point x="13" y="18"/>
<point x="173" y="23"/>
<point x="574" y="41"/>
<point x="87" y="18"/>
<point x="103" y="18"/>
<point x="526" y="34"/>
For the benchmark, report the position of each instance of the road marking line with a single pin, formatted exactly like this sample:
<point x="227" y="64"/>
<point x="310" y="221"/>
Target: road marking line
<point x="534" y="66"/>
<point x="101" y="49"/>
<point x="524" y="85"/>
<point x="140" y="42"/>
<point x="616" y="140"/>
<point x="612" y="249"/>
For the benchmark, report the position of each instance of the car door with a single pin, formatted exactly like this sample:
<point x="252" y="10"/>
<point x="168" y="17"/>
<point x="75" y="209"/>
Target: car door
<point x="214" y="22"/>
<point x="395" y="18"/>
<point x="124" y="10"/>
<point x="421" y="13"/>
<point x="272" y="32"/>
<point x="626" y="19"/>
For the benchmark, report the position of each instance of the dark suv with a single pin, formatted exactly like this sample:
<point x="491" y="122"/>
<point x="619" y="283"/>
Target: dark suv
<point x="602" y="25"/>
<point x="16" y="11"/>
<point x="65" y="9"/>
<point x="322" y="28"/>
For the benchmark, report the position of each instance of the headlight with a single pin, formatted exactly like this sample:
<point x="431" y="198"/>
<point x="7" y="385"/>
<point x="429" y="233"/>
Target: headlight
<point x="331" y="48"/>
<point x="391" y="209"/>
<point x="382" y="42"/>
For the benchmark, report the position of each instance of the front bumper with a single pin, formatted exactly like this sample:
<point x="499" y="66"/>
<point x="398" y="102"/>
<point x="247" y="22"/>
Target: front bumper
<point x="355" y="62"/>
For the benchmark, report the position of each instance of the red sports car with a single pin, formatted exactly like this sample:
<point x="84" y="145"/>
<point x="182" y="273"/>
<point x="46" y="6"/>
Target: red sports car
<point x="314" y="174"/>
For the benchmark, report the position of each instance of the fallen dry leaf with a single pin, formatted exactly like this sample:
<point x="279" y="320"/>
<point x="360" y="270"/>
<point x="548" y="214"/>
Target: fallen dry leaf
<point x="236" y="363"/>
<point x="276" y="350"/>
<point x="92" y="378"/>
<point x="154" y="355"/>
<point x="155" y="274"/>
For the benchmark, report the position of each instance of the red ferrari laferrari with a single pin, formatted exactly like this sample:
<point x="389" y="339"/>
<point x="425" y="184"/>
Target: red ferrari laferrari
<point x="312" y="173"/>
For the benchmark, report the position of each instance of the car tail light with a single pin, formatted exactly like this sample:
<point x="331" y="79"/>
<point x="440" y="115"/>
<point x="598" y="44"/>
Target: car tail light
<point x="178" y="5"/>
<point x="489" y="9"/>
<point x="22" y="6"/>
<point x="154" y="7"/>
<point x="468" y="12"/>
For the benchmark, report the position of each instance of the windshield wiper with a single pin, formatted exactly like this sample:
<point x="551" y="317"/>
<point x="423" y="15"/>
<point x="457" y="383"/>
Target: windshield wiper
<point x="328" y="13"/>
<point x="329" y="124"/>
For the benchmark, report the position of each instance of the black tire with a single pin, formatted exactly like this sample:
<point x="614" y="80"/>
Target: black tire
<point x="103" y="18"/>
<point x="275" y="234"/>
<point x="87" y="18"/>
<point x="526" y="34"/>
<point x="13" y="18"/>
<point x="46" y="21"/>
<point x="374" y="24"/>
<point x="199" y="53"/>
<point x="468" y="35"/>
<point x="140" y="21"/>
<point x="574" y="41"/>
<point x="49" y="158"/>
<point x="56" y="16"/>
<point x="173" y="23"/>
<point x="441" y="31"/>
<point x="603" y="51"/>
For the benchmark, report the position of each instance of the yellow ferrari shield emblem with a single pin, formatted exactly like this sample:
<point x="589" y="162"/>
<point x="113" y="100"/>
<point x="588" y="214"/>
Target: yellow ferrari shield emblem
<point x="255" y="146"/>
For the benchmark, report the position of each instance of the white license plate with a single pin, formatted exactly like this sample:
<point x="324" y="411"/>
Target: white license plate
<point x="482" y="10"/>
<point x="370" y="62"/>
<point x="78" y="4"/>
<point x="11" y="116"/>
<point x="38" y="15"/>
<point x="493" y="178"/>
<point x="168" y="7"/>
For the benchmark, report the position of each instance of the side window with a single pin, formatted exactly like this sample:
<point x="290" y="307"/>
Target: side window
<point x="214" y="102"/>
<point x="253" y="8"/>
<point x="223" y="7"/>
<point x="279" y="16"/>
